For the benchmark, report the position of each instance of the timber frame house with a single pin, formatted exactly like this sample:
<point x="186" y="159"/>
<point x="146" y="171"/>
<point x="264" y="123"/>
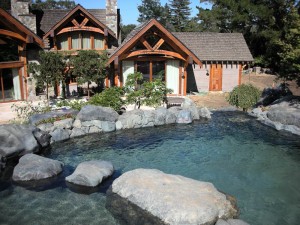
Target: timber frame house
<point x="187" y="61"/>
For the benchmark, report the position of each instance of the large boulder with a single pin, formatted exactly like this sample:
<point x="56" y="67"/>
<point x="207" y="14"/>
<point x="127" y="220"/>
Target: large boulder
<point x="60" y="134"/>
<point x="184" y="116"/>
<point x="204" y="113"/>
<point x="135" y="119"/>
<point x="34" y="167"/>
<point x="191" y="106"/>
<point x="92" y="112"/>
<point x="38" y="118"/>
<point x="91" y="173"/>
<point x="231" y="222"/>
<point x="148" y="196"/>
<point x="21" y="139"/>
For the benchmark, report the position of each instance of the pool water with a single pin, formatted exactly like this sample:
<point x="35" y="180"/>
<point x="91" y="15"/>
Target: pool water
<point x="256" y="164"/>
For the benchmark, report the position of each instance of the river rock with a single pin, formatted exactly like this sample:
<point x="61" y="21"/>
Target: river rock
<point x="160" y="116"/>
<point x="64" y="124"/>
<point x="18" y="140"/>
<point x="191" y="106"/>
<point x="76" y="132"/>
<point x="91" y="173"/>
<point x="236" y="222"/>
<point x="130" y="119"/>
<point x="92" y="112"/>
<point x="148" y="196"/>
<point x="59" y="135"/>
<point x="204" y="113"/>
<point x="34" y="167"/>
<point x="184" y="116"/>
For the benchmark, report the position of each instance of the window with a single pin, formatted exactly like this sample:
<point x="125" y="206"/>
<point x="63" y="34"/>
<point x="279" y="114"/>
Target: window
<point x="80" y="40"/>
<point x="151" y="69"/>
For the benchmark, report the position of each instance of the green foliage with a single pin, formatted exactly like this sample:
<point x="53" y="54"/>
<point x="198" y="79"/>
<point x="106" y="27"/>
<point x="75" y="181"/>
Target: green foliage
<point x="110" y="97"/>
<point x="49" y="71"/>
<point x="52" y="4"/>
<point x="244" y="96"/>
<point x="150" y="9"/>
<point x="54" y="119"/>
<point x="74" y="104"/>
<point x="145" y="93"/>
<point x="126" y="29"/>
<point x="26" y="109"/>
<point x="180" y="14"/>
<point x="89" y="66"/>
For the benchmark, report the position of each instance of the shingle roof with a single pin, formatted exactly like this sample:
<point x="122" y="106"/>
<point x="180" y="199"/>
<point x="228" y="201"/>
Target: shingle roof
<point x="53" y="16"/>
<point x="216" y="46"/>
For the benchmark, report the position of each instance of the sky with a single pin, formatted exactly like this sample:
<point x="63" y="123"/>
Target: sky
<point x="128" y="8"/>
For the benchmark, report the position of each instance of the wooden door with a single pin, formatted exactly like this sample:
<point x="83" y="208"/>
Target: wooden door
<point x="215" y="77"/>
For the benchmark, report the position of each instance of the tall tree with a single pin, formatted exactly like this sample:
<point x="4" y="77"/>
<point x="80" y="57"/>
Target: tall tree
<point x="89" y="66"/>
<point x="53" y="4"/>
<point x="150" y="9"/>
<point x="49" y="71"/>
<point x="180" y="13"/>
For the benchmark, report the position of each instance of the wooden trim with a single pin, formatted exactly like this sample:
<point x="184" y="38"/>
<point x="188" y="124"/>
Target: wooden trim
<point x="170" y="37"/>
<point x="240" y="74"/>
<point x="72" y="29"/>
<point x="2" y="86"/>
<point x="75" y="23"/>
<point x="13" y="35"/>
<point x="11" y="64"/>
<point x="150" y="70"/>
<point x="92" y="41"/>
<point x="21" y="83"/>
<point x="150" y="52"/>
<point x="180" y="81"/>
<point x="146" y="44"/>
<point x="84" y="22"/>
<point x="86" y="13"/>
<point x="18" y="26"/>
<point x="158" y="44"/>
<point x="121" y="75"/>
<point x="69" y="42"/>
<point x="185" y="82"/>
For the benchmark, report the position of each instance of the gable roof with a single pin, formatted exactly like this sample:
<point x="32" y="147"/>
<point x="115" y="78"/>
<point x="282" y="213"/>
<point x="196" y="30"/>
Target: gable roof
<point x="67" y="16"/>
<point x="140" y="30"/>
<point x="216" y="46"/>
<point x="53" y="16"/>
<point x="19" y="29"/>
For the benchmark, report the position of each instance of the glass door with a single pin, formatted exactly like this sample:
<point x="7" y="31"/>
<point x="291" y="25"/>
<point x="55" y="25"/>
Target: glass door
<point x="9" y="85"/>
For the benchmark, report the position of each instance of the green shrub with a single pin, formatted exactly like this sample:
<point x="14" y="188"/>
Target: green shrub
<point x="74" y="104"/>
<point x="244" y="96"/>
<point x="110" y="97"/>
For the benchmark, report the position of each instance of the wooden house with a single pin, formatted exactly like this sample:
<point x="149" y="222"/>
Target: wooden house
<point x="188" y="61"/>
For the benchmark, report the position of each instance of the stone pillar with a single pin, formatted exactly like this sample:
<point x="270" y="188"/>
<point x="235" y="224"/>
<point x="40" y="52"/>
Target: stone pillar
<point x="112" y="15"/>
<point x="20" y="10"/>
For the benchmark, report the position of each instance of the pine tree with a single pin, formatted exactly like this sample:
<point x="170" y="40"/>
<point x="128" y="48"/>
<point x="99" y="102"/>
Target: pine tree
<point x="150" y="9"/>
<point x="180" y="13"/>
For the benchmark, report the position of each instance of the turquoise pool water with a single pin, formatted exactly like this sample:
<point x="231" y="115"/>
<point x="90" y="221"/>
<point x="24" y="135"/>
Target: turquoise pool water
<point x="256" y="164"/>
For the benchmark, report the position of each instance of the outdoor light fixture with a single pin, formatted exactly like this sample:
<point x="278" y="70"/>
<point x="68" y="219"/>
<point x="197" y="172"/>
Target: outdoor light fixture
<point x="207" y="74"/>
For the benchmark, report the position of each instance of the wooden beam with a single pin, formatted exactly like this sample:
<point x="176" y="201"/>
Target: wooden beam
<point x="150" y="52"/>
<point x="12" y="35"/>
<point x="146" y="44"/>
<point x="76" y="24"/>
<point x="84" y="22"/>
<point x="11" y="64"/>
<point x="70" y="29"/>
<point x="158" y="44"/>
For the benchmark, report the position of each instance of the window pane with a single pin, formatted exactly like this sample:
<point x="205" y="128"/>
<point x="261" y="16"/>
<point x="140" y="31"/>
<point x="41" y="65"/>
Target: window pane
<point x="99" y="41"/>
<point x="144" y="68"/>
<point x="86" y="41"/>
<point x="158" y="70"/>
<point x="62" y="42"/>
<point x="75" y="40"/>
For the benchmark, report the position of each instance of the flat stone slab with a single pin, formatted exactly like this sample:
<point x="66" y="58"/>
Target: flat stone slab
<point x="91" y="173"/>
<point x="170" y="199"/>
<point x="35" y="167"/>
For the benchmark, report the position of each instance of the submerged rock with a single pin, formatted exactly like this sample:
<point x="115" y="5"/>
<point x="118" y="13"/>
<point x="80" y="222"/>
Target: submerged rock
<point x="35" y="167"/>
<point x="147" y="196"/>
<point x="91" y="173"/>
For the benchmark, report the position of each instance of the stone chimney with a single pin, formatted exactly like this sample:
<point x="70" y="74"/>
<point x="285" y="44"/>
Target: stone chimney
<point x="20" y="10"/>
<point x="112" y="20"/>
